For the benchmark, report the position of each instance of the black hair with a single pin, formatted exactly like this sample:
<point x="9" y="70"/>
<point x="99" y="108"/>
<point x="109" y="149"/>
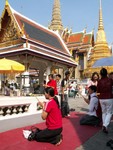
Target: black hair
<point x="50" y="91"/>
<point x="58" y="75"/>
<point x="103" y="72"/>
<point x="67" y="72"/>
<point x="51" y="75"/>
<point x="93" y="87"/>
<point x="94" y="73"/>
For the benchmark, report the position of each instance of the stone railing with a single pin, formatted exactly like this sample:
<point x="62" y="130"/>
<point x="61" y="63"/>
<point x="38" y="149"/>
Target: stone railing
<point x="13" y="109"/>
<point x="18" y="105"/>
<point x="16" y="112"/>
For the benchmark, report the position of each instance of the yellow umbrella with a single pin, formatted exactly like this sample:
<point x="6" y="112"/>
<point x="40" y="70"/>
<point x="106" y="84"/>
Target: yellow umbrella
<point x="8" y="66"/>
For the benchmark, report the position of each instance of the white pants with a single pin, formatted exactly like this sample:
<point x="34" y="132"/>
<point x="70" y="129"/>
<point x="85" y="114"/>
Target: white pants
<point x="107" y="110"/>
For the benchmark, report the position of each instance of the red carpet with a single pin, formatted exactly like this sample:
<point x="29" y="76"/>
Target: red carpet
<point x="73" y="136"/>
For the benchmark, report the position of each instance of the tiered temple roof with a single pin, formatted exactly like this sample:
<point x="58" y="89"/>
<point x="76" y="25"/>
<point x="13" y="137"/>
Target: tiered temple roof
<point x="82" y="44"/>
<point x="19" y="34"/>
<point x="101" y="48"/>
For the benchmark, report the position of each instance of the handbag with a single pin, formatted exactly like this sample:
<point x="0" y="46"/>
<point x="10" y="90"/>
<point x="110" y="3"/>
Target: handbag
<point x="31" y="133"/>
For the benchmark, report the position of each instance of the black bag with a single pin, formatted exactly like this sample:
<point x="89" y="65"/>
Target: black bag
<point x="32" y="135"/>
<point x="99" y="110"/>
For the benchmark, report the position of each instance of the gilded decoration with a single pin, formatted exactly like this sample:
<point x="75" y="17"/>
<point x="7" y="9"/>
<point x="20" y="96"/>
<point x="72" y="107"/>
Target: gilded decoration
<point x="10" y="33"/>
<point x="9" y="29"/>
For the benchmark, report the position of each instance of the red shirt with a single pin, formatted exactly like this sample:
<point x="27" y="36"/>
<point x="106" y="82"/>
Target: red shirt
<point x="53" y="84"/>
<point x="104" y="88"/>
<point x="54" y="118"/>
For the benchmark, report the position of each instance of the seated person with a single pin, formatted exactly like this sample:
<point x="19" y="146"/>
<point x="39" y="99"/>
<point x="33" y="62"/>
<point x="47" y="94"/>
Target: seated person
<point x="91" y="118"/>
<point x="52" y="114"/>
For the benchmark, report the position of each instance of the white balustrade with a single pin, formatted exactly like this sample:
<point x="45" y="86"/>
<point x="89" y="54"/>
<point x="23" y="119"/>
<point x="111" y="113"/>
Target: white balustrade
<point x="19" y="105"/>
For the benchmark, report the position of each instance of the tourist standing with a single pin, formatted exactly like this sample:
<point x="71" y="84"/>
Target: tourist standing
<point x="64" y="95"/>
<point x="104" y="90"/>
<point x="51" y="83"/>
<point x="73" y="88"/>
<point x="94" y="79"/>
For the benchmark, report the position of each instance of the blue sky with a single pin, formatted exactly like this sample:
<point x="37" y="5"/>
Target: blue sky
<point x="76" y="14"/>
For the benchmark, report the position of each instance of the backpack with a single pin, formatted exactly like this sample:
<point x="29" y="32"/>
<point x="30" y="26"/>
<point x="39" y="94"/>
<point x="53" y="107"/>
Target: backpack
<point x="99" y="110"/>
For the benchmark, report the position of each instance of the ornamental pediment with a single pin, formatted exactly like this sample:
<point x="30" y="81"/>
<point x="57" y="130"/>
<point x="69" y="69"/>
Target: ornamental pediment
<point x="9" y="30"/>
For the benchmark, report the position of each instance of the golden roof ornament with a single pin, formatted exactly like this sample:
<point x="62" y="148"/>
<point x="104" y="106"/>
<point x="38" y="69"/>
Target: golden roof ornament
<point x="101" y="37"/>
<point x="22" y="30"/>
<point x="6" y="2"/>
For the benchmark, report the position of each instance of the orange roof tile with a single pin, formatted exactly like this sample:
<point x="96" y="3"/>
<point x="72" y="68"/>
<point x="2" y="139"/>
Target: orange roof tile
<point x="87" y="39"/>
<point x="75" y="38"/>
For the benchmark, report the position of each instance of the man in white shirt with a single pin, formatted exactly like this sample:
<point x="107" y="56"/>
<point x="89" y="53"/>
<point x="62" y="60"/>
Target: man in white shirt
<point x="91" y="118"/>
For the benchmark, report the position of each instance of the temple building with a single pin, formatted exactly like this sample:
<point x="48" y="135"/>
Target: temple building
<point x="82" y="45"/>
<point x="32" y="44"/>
<point x="101" y="48"/>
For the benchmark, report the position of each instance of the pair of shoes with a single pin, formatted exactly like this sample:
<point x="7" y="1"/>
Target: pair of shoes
<point x="110" y="143"/>
<point x="104" y="129"/>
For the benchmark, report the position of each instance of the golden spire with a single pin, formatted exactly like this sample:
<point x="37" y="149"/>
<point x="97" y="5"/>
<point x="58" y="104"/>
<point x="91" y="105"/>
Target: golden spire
<point x="6" y="2"/>
<point x="101" y="48"/>
<point x="101" y="37"/>
<point x="56" y="23"/>
<point x="100" y="27"/>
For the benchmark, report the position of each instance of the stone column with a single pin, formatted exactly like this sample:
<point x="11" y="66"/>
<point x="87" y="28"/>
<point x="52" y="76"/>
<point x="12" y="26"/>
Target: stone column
<point x="25" y="82"/>
<point x="85" y="61"/>
<point x="48" y="71"/>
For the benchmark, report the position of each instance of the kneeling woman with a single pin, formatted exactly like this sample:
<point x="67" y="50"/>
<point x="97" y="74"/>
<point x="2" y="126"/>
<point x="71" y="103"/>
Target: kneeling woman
<point x="52" y="114"/>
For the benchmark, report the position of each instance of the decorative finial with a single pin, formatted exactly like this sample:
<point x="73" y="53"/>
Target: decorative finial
<point x="100" y="27"/>
<point x="6" y="2"/>
<point x="100" y="4"/>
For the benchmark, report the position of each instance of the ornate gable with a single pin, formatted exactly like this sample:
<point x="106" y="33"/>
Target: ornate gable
<point x="9" y="29"/>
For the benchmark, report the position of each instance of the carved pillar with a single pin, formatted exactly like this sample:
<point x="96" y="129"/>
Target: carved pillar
<point x="85" y="61"/>
<point x="48" y="71"/>
<point x="42" y="70"/>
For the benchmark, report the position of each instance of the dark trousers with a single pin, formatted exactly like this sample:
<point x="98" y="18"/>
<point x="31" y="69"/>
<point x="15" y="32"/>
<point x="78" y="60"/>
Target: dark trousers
<point x="64" y="105"/>
<point x="50" y="136"/>
<point x="89" y="120"/>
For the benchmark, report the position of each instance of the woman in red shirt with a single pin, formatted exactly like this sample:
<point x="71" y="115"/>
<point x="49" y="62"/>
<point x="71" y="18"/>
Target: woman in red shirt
<point x="52" y="114"/>
<point x="52" y="83"/>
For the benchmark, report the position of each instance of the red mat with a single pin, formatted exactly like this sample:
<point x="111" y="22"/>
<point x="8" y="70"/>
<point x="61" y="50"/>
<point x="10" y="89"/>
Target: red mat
<point x="74" y="135"/>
